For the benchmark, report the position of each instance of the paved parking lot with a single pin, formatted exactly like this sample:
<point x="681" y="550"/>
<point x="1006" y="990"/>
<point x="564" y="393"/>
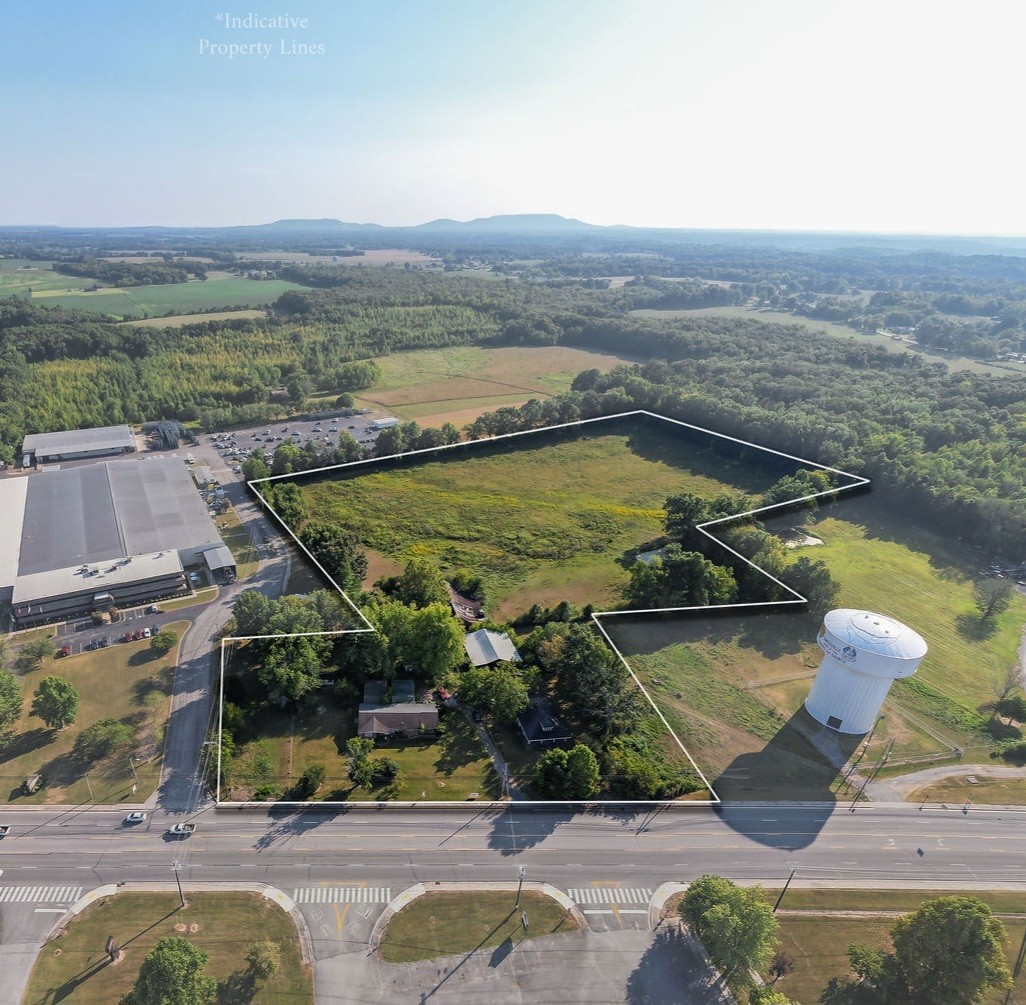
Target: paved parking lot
<point x="226" y="450"/>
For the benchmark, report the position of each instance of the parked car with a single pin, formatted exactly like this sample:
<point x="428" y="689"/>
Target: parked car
<point x="147" y="632"/>
<point x="137" y="634"/>
<point x="127" y="637"/>
<point x="104" y="641"/>
<point x="153" y="609"/>
<point x="135" y="817"/>
<point x="63" y="651"/>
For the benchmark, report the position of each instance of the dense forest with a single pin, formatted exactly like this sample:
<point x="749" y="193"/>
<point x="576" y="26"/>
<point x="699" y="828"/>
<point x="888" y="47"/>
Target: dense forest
<point x="950" y="445"/>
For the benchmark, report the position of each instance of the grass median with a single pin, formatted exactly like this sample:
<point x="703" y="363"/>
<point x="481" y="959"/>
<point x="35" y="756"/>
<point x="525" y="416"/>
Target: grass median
<point x="451" y="922"/>
<point x="75" y="967"/>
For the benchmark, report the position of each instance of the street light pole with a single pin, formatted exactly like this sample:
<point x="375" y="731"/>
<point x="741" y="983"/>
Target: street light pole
<point x="521" y="872"/>
<point x="135" y="776"/>
<point x="782" y="892"/>
<point x="176" y="869"/>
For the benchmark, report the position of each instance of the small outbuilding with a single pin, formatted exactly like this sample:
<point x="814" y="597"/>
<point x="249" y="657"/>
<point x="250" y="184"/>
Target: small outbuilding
<point x="485" y="648"/>
<point x="221" y="563"/>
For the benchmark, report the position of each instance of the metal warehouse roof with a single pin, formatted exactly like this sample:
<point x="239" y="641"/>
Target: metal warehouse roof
<point x="484" y="647"/>
<point x="70" y="441"/>
<point x="98" y="577"/>
<point x="104" y="511"/>
<point x="12" y="515"/>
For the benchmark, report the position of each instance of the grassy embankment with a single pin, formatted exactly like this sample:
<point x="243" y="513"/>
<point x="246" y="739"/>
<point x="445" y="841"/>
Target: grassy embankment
<point x="224" y="925"/>
<point x="445" y="923"/>
<point x="124" y="681"/>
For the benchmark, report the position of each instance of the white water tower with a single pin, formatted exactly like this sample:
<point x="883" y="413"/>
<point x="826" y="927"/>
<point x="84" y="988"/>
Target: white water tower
<point x="865" y="653"/>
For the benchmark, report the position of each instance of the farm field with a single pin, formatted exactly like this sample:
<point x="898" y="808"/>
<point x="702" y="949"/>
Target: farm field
<point x="733" y="687"/>
<point x="124" y="681"/>
<point x="435" y="386"/>
<point x="840" y="331"/>
<point x="224" y="925"/>
<point x="219" y="290"/>
<point x="539" y="523"/>
<point x="19" y="276"/>
<point x="189" y="319"/>
<point x="371" y="256"/>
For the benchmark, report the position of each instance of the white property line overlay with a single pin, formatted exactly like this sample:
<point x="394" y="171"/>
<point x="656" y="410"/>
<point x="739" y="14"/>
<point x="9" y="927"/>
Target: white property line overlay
<point x="857" y="481"/>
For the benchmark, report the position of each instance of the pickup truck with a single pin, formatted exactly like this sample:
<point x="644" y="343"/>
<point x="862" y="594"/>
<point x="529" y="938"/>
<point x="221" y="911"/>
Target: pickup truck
<point x="182" y="830"/>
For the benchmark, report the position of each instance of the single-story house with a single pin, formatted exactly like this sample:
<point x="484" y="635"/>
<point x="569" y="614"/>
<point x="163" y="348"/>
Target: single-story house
<point x="540" y="726"/>
<point x="484" y="648"/>
<point x="407" y="719"/>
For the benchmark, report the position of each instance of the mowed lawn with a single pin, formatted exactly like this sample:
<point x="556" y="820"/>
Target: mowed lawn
<point x="447" y="922"/>
<point x="224" y="925"/>
<point x="819" y="941"/>
<point x="280" y="748"/>
<point x="457" y="384"/>
<point x="540" y="520"/>
<point x="139" y="301"/>
<point x="123" y="681"/>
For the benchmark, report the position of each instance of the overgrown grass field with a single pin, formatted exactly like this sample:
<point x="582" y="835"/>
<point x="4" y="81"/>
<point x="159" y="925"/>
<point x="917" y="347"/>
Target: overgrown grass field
<point x="123" y="681"/>
<point x="539" y="523"/>
<point x="225" y="925"/>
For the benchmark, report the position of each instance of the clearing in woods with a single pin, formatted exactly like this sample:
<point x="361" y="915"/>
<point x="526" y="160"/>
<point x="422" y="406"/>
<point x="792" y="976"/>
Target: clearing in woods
<point x="435" y="386"/>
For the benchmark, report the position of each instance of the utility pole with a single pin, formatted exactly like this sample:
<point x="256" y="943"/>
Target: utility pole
<point x="782" y="892"/>
<point x="521" y="872"/>
<point x="135" y="776"/>
<point x="85" y="774"/>
<point x="176" y="868"/>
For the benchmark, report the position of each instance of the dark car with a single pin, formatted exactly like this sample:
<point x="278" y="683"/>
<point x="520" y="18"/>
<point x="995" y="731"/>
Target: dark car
<point x="64" y="651"/>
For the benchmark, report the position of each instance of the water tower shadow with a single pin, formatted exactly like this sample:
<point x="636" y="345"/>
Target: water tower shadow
<point x="802" y="763"/>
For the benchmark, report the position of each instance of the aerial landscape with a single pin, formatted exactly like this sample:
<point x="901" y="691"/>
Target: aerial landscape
<point x="513" y="503"/>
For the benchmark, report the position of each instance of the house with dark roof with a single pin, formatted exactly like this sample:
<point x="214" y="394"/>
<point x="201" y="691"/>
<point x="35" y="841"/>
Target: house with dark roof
<point x="484" y="648"/>
<point x="401" y="715"/>
<point x="540" y="726"/>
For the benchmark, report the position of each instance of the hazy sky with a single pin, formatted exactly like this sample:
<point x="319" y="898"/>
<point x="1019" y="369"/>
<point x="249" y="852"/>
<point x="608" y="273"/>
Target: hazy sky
<point x="776" y="114"/>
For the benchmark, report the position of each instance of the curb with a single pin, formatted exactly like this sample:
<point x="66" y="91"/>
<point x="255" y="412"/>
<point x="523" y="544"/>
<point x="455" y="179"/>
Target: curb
<point x="267" y="892"/>
<point x="655" y="906"/>
<point x="411" y="893"/>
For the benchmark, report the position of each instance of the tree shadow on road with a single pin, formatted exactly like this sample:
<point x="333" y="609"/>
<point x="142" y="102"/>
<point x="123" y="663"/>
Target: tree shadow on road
<point x="517" y="830"/>
<point x="288" y="823"/>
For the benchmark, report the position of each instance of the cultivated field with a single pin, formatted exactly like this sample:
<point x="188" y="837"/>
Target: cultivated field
<point x="371" y="256"/>
<point x="124" y="681"/>
<point x="178" y="320"/>
<point x="218" y="290"/>
<point x="540" y="519"/>
<point x="224" y="925"/>
<point x="21" y="276"/>
<point x="435" y="386"/>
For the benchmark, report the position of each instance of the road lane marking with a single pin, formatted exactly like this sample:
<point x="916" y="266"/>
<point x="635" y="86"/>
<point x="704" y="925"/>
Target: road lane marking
<point x="342" y="895"/>
<point x="340" y="917"/>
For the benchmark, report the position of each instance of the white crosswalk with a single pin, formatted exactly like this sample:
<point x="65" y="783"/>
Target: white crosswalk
<point x="610" y="895"/>
<point x="342" y="895"/>
<point x="39" y="894"/>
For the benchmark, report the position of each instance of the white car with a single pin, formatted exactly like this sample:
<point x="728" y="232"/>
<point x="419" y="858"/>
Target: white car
<point x="136" y="817"/>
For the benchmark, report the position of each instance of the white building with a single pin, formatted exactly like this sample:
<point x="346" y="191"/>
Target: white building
<point x="865" y="654"/>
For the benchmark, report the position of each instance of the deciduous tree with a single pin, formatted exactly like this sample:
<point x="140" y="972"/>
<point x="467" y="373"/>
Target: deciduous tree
<point x="55" y="702"/>
<point x="173" y="973"/>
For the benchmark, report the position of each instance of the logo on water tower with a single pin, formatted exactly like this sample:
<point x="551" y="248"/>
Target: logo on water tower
<point x="849" y="654"/>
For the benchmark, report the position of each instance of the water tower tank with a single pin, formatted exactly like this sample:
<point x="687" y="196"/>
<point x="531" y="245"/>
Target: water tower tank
<point x="865" y="652"/>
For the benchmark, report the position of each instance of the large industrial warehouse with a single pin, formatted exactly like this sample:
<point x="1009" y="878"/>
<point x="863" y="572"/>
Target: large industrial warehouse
<point x="76" y="444"/>
<point x="98" y="536"/>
